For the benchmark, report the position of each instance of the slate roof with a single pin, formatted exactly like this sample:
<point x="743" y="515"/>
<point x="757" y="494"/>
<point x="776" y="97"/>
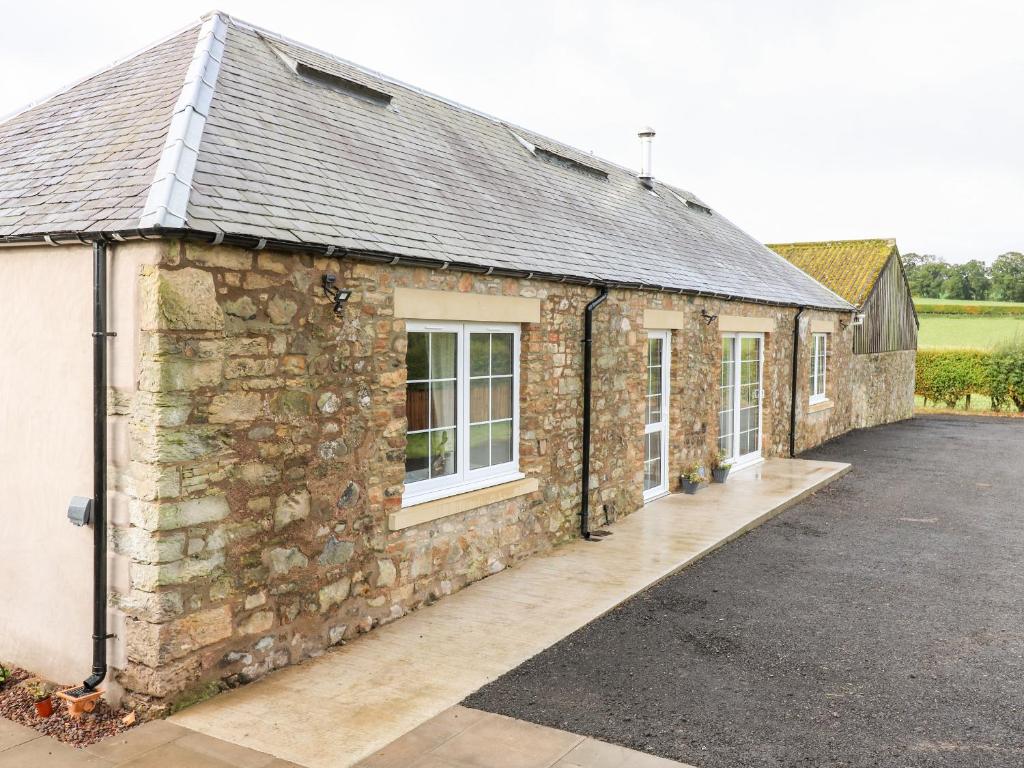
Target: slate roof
<point x="218" y="130"/>
<point x="849" y="267"/>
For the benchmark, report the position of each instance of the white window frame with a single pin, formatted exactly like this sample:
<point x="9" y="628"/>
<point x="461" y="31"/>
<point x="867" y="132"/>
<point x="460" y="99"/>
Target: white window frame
<point x="660" y="426"/>
<point x="754" y="457"/>
<point x="819" y="359"/>
<point x="465" y="479"/>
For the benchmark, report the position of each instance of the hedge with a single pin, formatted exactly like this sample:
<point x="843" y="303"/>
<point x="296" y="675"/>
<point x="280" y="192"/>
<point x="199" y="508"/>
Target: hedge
<point x="974" y="310"/>
<point x="1006" y="374"/>
<point x="949" y="375"/>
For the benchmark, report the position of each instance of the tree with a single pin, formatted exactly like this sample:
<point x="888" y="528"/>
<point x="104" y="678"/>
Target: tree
<point x="979" y="283"/>
<point x="956" y="285"/>
<point x="927" y="277"/>
<point x="1008" y="277"/>
<point x="921" y="274"/>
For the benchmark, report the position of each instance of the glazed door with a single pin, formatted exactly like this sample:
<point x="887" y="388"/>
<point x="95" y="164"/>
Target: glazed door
<point x="741" y="392"/>
<point x="656" y="416"/>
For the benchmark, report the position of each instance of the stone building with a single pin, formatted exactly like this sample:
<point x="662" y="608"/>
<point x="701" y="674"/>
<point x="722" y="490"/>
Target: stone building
<point x="347" y="377"/>
<point x="869" y="274"/>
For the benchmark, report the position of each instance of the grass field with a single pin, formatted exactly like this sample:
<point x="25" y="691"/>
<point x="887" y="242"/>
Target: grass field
<point x="965" y="332"/>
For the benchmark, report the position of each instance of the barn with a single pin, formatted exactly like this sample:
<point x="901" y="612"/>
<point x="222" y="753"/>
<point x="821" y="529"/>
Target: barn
<point x="869" y="274"/>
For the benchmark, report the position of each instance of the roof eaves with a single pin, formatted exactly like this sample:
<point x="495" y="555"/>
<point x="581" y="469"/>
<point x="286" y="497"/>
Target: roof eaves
<point x="392" y="257"/>
<point x="167" y="202"/>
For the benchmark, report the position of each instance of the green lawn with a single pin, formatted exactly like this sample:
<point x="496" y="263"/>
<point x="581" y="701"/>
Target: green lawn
<point x="978" y="403"/>
<point x="967" y="332"/>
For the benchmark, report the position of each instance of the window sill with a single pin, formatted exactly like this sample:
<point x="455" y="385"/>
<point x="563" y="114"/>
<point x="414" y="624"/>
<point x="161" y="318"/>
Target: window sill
<point x="821" y="405"/>
<point x="426" y="511"/>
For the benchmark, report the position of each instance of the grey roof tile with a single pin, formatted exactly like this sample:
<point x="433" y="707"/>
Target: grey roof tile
<point x="287" y="158"/>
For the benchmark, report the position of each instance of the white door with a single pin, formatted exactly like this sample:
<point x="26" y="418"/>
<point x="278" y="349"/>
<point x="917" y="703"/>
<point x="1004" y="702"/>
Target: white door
<point x="741" y="392"/>
<point x="656" y="416"/>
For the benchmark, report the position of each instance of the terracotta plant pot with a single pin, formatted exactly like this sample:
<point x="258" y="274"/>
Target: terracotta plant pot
<point x="719" y="474"/>
<point x="688" y="487"/>
<point x="44" y="708"/>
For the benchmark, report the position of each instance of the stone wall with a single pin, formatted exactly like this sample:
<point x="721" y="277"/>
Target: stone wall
<point x="816" y="424"/>
<point x="267" y="447"/>
<point x="883" y="387"/>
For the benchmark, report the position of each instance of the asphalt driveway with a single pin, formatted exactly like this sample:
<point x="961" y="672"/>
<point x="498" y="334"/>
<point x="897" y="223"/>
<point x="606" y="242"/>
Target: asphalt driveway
<point x="879" y="623"/>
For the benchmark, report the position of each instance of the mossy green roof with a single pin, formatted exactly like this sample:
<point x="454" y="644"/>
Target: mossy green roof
<point x="848" y="267"/>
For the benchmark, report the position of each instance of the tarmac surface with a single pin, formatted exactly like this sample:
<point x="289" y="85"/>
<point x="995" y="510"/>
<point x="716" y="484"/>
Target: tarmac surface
<point x="878" y="623"/>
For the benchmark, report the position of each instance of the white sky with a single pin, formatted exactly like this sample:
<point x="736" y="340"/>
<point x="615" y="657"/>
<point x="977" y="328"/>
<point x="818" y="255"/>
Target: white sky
<point x="798" y="120"/>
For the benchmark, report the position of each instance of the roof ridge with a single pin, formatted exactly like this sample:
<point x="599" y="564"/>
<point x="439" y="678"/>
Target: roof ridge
<point x="890" y="241"/>
<point x="102" y="70"/>
<point x="167" y="202"/>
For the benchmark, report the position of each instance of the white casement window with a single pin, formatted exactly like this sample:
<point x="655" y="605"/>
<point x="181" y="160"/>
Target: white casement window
<point x="462" y="406"/>
<point x="819" y="359"/>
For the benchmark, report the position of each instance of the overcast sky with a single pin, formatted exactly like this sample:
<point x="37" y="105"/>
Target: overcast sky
<point x="797" y="120"/>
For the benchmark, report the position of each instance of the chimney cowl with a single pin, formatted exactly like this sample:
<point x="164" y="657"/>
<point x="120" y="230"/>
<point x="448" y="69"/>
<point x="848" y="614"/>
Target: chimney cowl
<point x="646" y="175"/>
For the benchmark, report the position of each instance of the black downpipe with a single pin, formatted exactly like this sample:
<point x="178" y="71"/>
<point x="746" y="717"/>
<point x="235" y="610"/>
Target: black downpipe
<point x="588" y="337"/>
<point x="99" y="465"/>
<point x="796" y="361"/>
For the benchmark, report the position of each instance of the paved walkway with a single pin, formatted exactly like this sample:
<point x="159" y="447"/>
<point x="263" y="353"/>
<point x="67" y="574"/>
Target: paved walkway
<point x="154" y="745"/>
<point x="467" y="738"/>
<point x="339" y="709"/>
<point x="394" y="692"/>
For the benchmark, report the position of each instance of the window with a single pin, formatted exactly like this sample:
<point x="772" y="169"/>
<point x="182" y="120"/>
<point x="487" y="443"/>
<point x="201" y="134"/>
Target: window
<point x="656" y="415"/>
<point x="819" y="355"/>
<point x="462" y="406"/>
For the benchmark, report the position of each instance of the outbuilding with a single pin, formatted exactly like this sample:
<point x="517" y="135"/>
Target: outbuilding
<point x="869" y="274"/>
<point x="371" y="345"/>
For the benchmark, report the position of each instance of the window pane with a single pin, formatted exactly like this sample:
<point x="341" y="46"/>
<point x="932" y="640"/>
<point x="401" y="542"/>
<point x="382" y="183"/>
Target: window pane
<point x="442" y="453"/>
<point x="416" y="459"/>
<point x="442" y="404"/>
<point x="654" y="351"/>
<point x="501" y="353"/>
<point x="748" y="419"/>
<point x="501" y="442"/>
<point x="725" y="432"/>
<point x="654" y="380"/>
<point x="652" y="460"/>
<point x="749" y="349"/>
<point x="501" y="397"/>
<point x="479" y="393"/>
<point x="479" y="354"/>
<point x="416" y="406"/>
<point x="480" y="446"/>
<point x="653" y="409"/>
<point x="442" y="355"/>
<point x="416" y="355"/>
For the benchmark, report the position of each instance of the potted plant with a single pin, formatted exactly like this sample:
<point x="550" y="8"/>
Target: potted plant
<point x="42" y="694"/>
<point x="720" y="466"/>
<point x="5" y="674"/>
<point x="691" y="478"/>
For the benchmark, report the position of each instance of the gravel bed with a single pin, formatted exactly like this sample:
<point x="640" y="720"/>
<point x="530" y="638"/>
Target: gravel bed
<point x="16" y="704"/>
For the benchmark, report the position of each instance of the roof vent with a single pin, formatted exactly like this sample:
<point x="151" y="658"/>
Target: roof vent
<point x="646" y="170"/>
<point x="556" y="159"/>
<point x="342" y="85"/>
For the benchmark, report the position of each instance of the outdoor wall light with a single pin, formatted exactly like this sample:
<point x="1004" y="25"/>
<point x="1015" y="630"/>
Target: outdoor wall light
<point x="338" y="295"/>
<point x="708" y="317"/>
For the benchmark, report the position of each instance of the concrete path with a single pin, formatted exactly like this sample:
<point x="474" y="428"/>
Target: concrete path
<point x="468" y="738"/>
<point x="341" y="708"/>
<point x="153" y="745"/>
<point x="390" y="697"/>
